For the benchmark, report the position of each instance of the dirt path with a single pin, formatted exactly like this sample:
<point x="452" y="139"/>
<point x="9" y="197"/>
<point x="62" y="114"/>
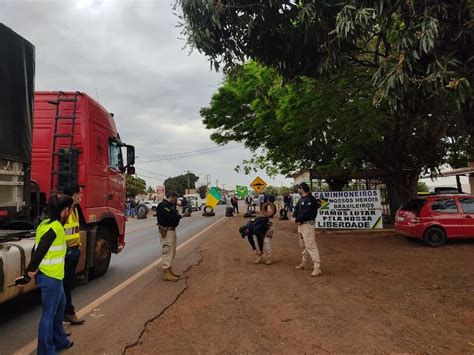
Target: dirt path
<point x="378" y="294"/>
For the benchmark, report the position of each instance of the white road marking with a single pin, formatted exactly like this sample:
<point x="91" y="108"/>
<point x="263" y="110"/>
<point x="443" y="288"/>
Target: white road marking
<point x="31" y="346"/>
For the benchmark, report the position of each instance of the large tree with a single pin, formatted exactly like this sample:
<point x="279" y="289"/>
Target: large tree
<point x="327" y="124"/>
<point x="134" y="186"/>
<point x="418" y="55"/>
<point x="180" y="183"/>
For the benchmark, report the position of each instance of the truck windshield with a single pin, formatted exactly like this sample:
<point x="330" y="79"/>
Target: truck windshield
<point x="115" y="156"/>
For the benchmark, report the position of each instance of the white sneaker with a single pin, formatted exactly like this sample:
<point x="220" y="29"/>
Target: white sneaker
<point x="316" y="272"/>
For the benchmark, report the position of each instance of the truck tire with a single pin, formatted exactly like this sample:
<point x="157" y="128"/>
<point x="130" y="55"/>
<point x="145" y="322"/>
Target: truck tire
<point x="208" y="209"/>
<point x="142" y="211"/>
<point x="102" y="253"/>
<point x="269" y="209"/>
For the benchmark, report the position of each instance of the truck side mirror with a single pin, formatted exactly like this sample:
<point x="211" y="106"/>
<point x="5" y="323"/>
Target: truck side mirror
<point x="130" y="170"/>
<point x="130" y="155"/>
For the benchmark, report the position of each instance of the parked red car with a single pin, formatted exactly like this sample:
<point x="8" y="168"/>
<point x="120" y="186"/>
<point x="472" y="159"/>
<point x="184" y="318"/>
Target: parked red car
<point x="436" y="218"/>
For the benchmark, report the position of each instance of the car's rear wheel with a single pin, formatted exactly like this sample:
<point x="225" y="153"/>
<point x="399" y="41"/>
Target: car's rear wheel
<point x="434" y="237"/>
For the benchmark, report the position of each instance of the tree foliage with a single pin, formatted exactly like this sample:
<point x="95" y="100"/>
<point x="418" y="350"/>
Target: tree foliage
<point x="150" y="190"/>
<point x="329" y="124"/>
<point x="416" y="50"/>
<point x="202" y="190"/>
<point x="179" y="184"/>
<point x="422" y="187"/>
<point x="412" y="59"/>
<point x="134" y="186"/>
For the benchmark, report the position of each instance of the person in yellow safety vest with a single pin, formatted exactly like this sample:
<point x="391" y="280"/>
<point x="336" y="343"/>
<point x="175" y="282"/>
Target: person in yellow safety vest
<point x="73" y="240"/>
<point x="47" y="266"/>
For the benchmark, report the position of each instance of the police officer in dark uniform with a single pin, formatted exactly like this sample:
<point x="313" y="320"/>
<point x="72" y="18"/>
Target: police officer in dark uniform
<point x="168" y="219"/>
<point x="304" y="217"/>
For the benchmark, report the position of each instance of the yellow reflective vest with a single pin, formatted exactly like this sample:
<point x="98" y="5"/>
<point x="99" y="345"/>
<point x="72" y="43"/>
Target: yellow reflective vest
<point x="52" y="264"/>
<point x="71" y="228"/>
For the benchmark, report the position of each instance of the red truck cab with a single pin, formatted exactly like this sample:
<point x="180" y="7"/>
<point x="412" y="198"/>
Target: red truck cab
<point x="75" y="140"/>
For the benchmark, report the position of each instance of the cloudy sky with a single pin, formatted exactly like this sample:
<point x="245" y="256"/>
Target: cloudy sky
<point x="130" y="55"/>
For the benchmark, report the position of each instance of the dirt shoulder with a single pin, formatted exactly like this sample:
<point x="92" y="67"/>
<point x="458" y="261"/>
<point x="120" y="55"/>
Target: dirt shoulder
<point x="379" y="293"/>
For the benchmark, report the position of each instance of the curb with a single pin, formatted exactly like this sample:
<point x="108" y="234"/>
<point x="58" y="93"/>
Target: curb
<point x="356" y="231"/>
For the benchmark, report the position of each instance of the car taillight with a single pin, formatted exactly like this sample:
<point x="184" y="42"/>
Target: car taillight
<point x="416" y="219"/>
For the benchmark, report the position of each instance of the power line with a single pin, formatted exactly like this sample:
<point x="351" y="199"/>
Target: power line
<point x="188" y="154"/>
<point x="149" y="177"/>
<point x="152" y="172"/>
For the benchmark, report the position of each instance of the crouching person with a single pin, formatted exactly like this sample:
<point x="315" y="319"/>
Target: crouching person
<point x="261" y="229"/>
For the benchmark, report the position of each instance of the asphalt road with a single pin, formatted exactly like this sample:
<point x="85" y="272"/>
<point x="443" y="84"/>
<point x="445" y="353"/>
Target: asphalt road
<point x="19" y="317"/>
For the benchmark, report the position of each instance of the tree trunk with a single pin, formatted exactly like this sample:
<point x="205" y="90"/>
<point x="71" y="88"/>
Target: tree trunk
<point x="470" y="162"/>
<point x="337" y="184"/>
<point x="402" y="187"/>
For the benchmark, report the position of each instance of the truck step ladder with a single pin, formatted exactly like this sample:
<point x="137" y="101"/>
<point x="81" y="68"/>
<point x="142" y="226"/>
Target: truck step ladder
<point x="64" y="153"/>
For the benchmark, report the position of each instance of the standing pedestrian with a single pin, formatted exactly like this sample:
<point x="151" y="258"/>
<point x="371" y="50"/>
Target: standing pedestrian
<point x="168" y="219"/>
<point x="235" y="204"/>
<point x="133" y="206"/>
<point x="184" y="205"/>
<point x="271" y="198"/>
<point x="73" y="241"/>
<point x="286" y="200"/>
<point x="47" y="266"/>
<point x="304" y="216"/>
<point x="261" y="201"/>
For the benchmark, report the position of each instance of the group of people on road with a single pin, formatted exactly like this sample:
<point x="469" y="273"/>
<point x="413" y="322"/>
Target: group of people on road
<point x="261" y="228"/>
<point x="304" y="216"/>
<point x="58" y="249"/>
<point x="130" y="208"/>
<point x="53" y="265"/>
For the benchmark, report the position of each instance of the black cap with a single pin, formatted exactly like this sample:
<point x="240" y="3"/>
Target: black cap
<point x="304" y="186"/>
<point x="72" y="189"/>
<point x="171" y="193"/>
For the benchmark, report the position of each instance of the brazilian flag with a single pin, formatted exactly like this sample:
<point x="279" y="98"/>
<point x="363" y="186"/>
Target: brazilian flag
<point x="213" y="197"/>
<point x="241" y="191"/>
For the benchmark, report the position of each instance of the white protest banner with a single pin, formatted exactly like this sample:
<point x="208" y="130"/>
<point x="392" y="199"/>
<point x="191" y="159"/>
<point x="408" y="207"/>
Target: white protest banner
<point x="361" y="209"/>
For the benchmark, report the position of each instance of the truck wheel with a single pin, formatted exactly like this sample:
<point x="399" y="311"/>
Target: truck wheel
<point x="102" y="253"/>
<point x="434" y="237"/>
<point x="142" y="211"/>
<point x="269" y="209"/>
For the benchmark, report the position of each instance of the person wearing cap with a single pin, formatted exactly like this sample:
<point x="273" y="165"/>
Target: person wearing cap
<point x="168" y="219"/>
<point x="304" y="217"/>
<point x="73" y="240"/>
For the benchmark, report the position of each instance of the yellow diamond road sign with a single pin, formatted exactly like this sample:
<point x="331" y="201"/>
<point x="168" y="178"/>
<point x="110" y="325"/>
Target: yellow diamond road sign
<point x="258" y="185"/>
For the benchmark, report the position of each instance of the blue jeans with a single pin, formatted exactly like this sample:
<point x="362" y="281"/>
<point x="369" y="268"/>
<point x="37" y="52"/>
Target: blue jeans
<point x="51" y="335"/>
<point x="70" y="264"/>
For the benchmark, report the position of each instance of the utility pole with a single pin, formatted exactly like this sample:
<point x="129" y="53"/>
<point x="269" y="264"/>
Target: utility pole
<point x="189" y="181"/>
<point x="217" y="183"/>
<point x="207" y="180"/>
